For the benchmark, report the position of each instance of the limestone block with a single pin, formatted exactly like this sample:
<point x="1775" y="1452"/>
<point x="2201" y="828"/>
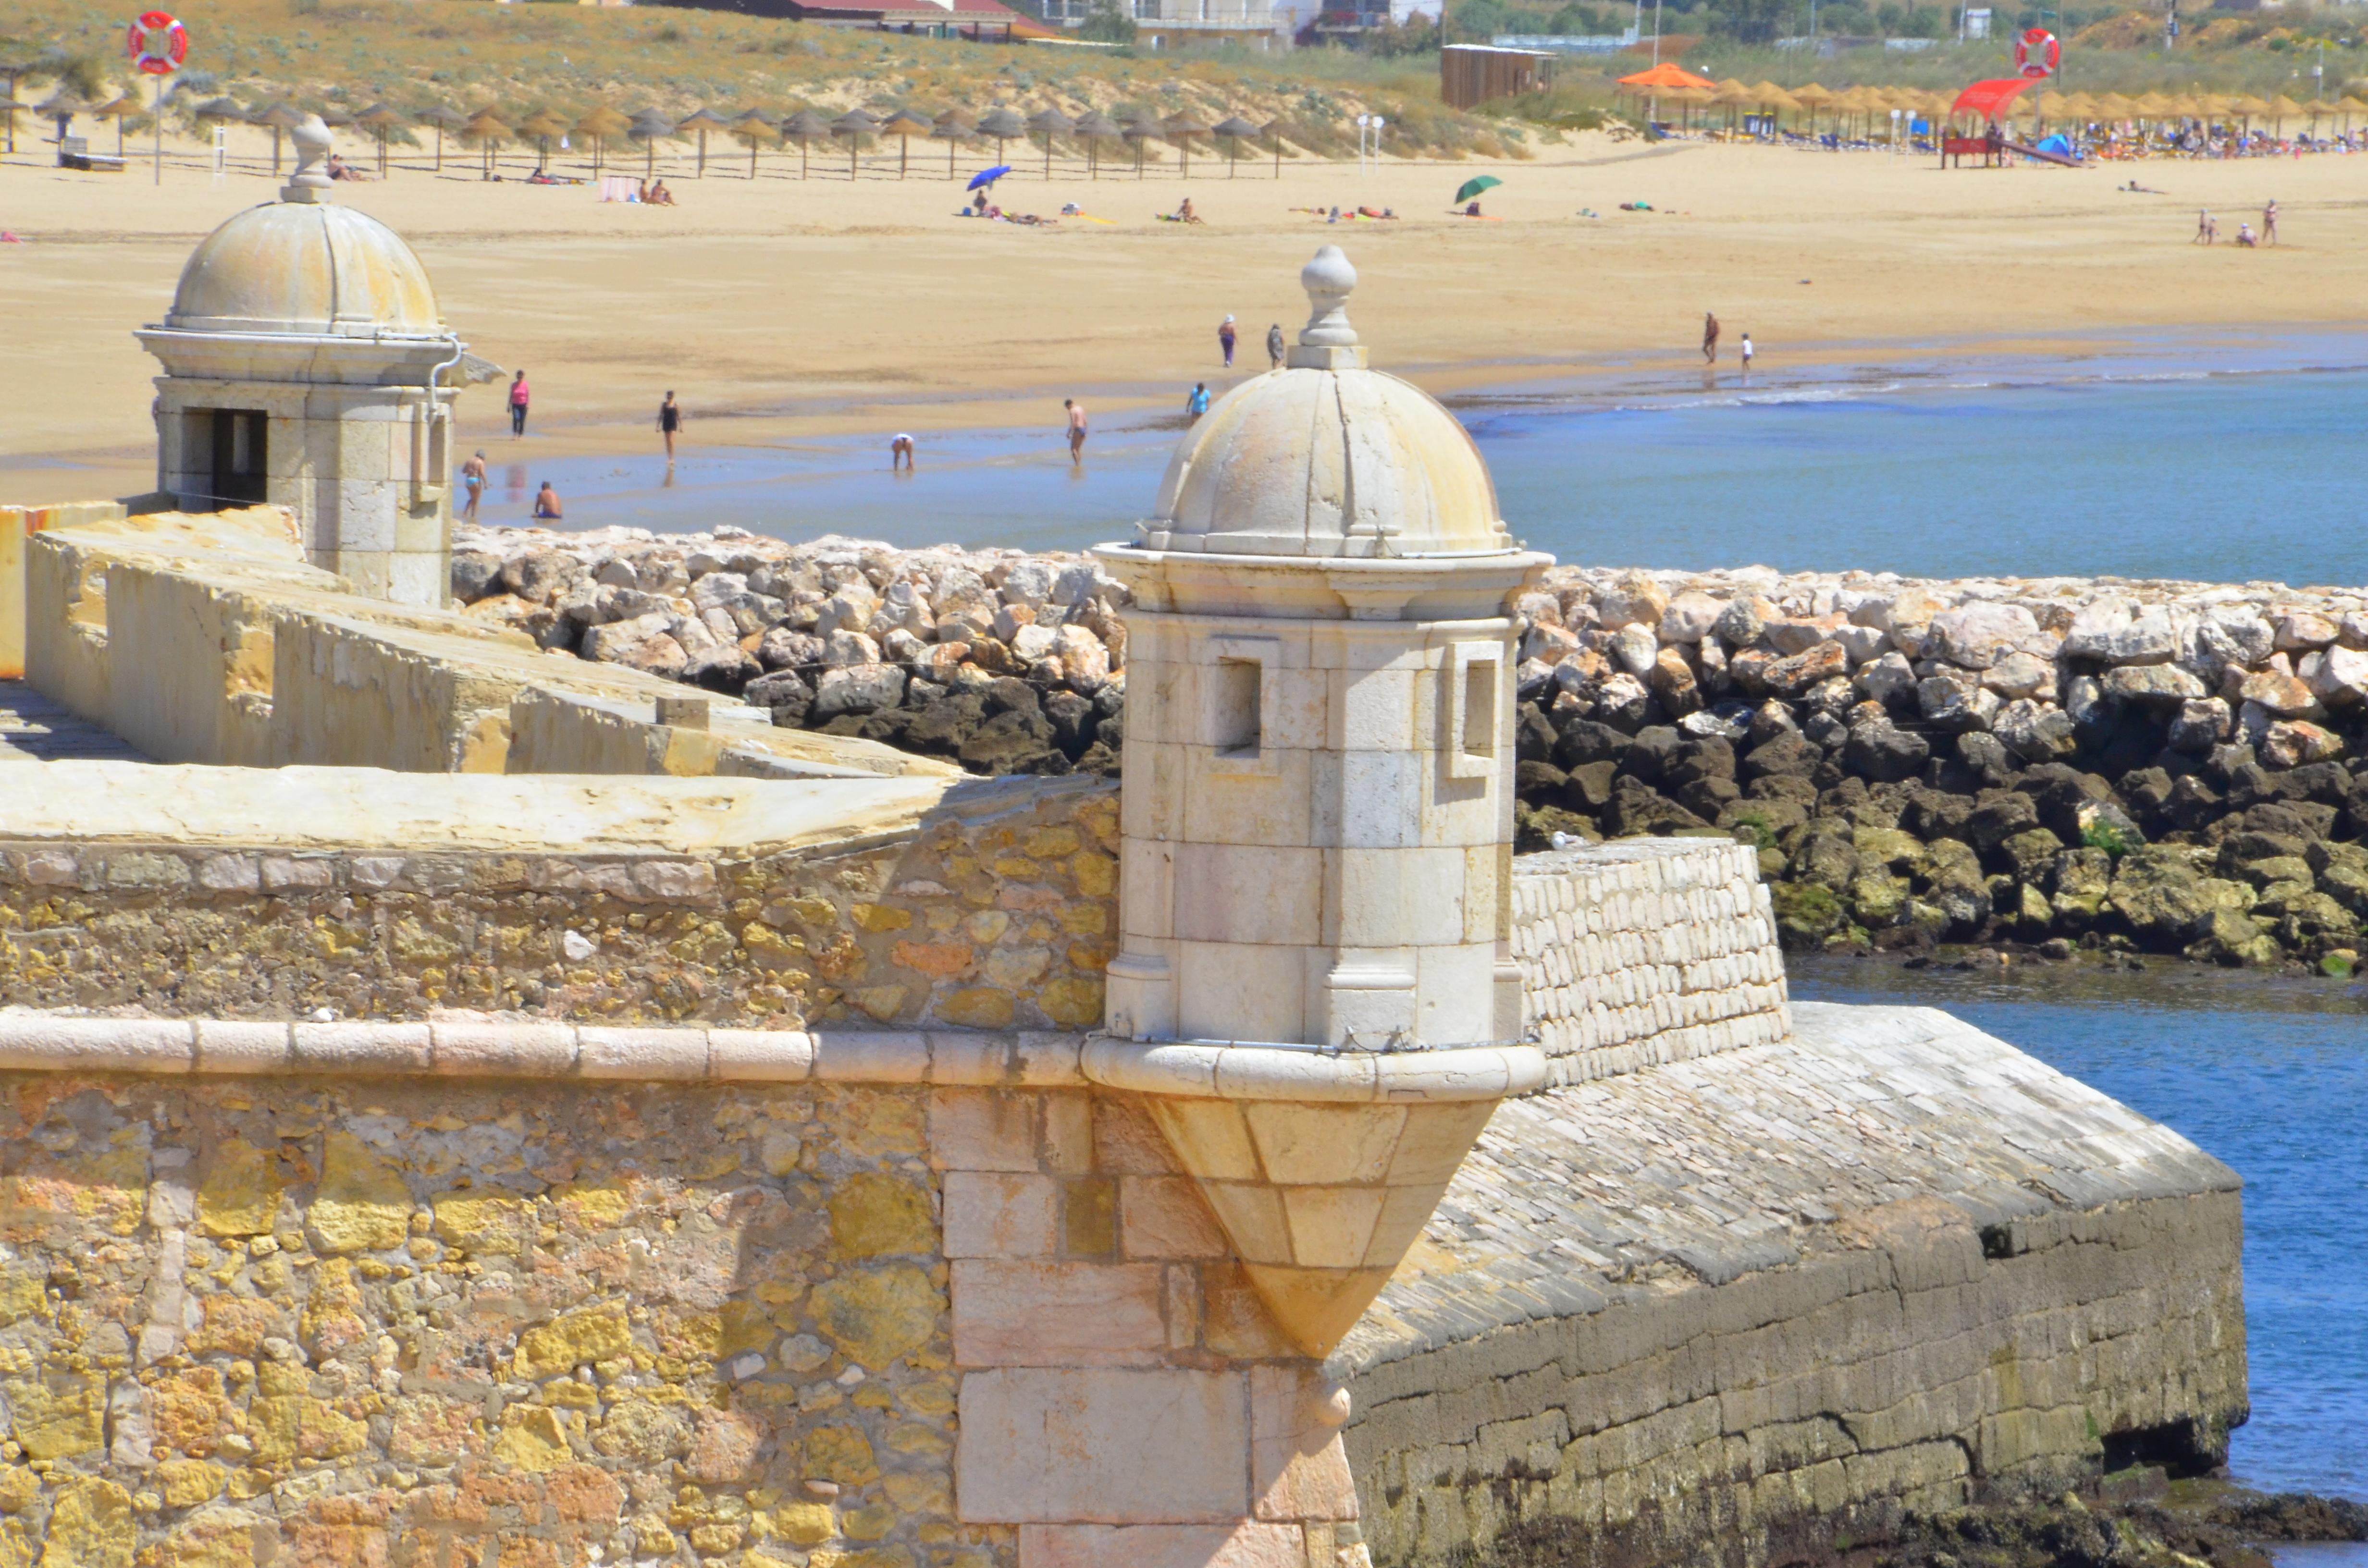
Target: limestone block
<point x="1248" y="894"/>
<point x="1025" y="1312"/>
<point x="1102" y="1446"/>
<point x="1249" y="1544"/>
<point x="1005" y="1215"/>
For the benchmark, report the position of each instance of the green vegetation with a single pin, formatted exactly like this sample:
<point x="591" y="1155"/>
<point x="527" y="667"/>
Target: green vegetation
<point x="468" y="55"/>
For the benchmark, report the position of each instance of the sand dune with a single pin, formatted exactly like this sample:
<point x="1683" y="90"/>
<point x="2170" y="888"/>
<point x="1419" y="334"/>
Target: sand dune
<point x="778" y="306"/>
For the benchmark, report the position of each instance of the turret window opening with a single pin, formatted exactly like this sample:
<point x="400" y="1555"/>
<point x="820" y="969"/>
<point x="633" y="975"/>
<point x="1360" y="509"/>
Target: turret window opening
<point x="1239" y="684"/>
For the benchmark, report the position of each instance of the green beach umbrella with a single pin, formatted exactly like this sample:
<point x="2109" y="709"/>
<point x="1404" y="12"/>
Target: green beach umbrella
<point x="1472" y="188"/>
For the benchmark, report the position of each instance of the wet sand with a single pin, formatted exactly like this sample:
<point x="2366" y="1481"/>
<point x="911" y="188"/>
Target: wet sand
<point x="781" y="308"/>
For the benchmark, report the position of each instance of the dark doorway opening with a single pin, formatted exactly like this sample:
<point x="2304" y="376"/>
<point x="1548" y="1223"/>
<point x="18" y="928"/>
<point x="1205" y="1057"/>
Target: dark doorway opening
<point x="239" y="468"/>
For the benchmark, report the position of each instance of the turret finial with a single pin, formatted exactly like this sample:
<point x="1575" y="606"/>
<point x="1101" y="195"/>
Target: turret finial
<point x="1327" y="342"/>
<point x="311" y="180"/>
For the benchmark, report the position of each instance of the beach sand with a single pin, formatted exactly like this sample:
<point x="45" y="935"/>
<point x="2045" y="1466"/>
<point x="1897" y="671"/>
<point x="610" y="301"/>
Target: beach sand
<point x="781" y="307"/>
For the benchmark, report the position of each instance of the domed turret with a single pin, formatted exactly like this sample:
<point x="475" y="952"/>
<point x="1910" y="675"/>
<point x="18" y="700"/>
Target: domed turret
<point x="1326" y="458"/>
<point x="306" y="364"/>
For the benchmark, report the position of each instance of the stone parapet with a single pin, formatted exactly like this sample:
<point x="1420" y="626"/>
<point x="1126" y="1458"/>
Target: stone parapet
<point x="1644" y="951"/>
<point x="1727" y="1309"/>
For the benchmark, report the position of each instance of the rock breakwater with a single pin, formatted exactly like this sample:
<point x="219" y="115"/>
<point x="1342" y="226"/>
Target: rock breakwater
<point x="2131" y="765"/>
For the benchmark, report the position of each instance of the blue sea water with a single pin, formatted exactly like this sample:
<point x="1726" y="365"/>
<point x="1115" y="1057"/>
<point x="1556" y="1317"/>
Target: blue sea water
<point x="2216" y="461"/>
<point x="2270" y="1077"/>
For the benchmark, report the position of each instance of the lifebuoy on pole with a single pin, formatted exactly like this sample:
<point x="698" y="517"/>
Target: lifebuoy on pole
<point x="2037" y="53"/>
<point x="157" y="43"/>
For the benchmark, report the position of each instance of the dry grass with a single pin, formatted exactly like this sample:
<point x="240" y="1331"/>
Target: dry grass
<point x="466" y="55"/>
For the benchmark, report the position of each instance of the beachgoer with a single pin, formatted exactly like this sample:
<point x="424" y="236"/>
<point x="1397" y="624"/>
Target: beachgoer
<point x="473" y="480"/>
<point x="1747" y="354"/>
<point x="2244" y="235"/>
<point x="546" y="503"/>
<point x="1225" y="340"/>
<point x="1184" y="213"/>
<point x="641" y="192"/>
<point x="517" y="405"/>
<point x="1335" y="216"/>
<point x="660" y="196"/>
<point x="1274" y="346"/>
<point x="978" y="203"/>
<point x="900" y="453"/>
<point x="670" y="421"/>
<point x="1196" y="403"/>
<point x="1077" y="430"/>
<point x="2202" y="227"/>
<point x="2269" y="224"/>
<point x="1709" y="339"/>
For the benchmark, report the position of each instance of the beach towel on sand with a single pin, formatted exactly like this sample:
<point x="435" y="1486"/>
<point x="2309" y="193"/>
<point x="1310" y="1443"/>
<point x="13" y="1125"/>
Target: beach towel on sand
<point x="618" y="187"/>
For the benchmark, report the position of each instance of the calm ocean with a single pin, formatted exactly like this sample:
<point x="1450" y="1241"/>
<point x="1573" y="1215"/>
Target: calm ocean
<point x="2215" y="460"/>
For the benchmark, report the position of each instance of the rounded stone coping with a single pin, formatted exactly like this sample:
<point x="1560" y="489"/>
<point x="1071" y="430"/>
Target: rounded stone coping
<point x="1206" y="1071"/>
<point x="37" y="1042"/>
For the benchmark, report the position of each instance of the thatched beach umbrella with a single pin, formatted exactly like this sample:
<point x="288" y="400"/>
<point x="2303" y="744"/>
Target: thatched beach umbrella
<point x="1812" y="98"/>
<point x="10" y="108"/>
<point x="903" y="125"/>
<point x="544" y="125"/>
<point x="1272" y="131"/>
<point x="488" y="131"/>
<point x="802" y="128"/>
<point x="1093" y="125"/>
<point x="854" y="126"/>
<point x="1180" y="129"/>
<point x="1006" y="126"/>
<point x="378" y="119"/>
<point x="702" y="120"/>
<point x="754" y="126"/>
<point x="649" y="128"/>
<point x="1231" y="129"/>
<point x="280" y="116"/>
<point x="953" y="128"/>
<point x="1142" y="133"/>
<point x="115" y="109"/>
<point x="599" y="125"/>
<point x="1049" y="123"/>
<point x="443" y="119"/>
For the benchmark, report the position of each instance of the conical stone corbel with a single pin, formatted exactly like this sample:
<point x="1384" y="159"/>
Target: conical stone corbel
<point x="1322" y="1168"/>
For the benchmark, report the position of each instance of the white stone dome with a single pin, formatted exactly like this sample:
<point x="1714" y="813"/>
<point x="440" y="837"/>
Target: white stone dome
<point x="306" y="268"/>
<point x="1327" y="458"/>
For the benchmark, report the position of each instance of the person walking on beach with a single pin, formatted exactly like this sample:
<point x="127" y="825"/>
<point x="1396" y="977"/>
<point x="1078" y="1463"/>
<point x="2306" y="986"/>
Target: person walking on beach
<point x="1196" y="403"/>
<point x="546" y="505"/>
<point x="669" y="422"/>
<point x="1076" y="431"/>
<point x="1709" y="339"/>
<point x="2206" y="230"/>
<point x="2270" y="222"/>
<point x="1274" y="346"/>
<point x="900" y="453"/>
<point x="473" y="480"/>
<point x="1747" y="354"/>
<point x="1225" y="340"/>
<point x="518" y="395"/>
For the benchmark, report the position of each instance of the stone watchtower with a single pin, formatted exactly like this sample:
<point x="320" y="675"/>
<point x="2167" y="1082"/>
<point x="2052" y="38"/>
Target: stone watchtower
<point x="306" y="365"/>
<point x="1317" y="819"/>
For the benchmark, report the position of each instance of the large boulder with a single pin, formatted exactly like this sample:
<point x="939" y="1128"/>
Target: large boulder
<point x="1884" y="752"/>
<point x="1979" y="635"/>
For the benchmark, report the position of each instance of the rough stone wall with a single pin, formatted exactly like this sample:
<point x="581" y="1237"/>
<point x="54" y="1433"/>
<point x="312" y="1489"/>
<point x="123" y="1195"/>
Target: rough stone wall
<point x="443" y="1324"/>
<point x="995" y="916"/>
<point x="1646" y="950"/>
<point x="1720" y="1311"/>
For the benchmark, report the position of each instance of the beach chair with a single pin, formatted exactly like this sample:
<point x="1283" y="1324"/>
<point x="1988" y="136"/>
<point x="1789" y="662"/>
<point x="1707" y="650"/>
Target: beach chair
<point x="74" y="153"/>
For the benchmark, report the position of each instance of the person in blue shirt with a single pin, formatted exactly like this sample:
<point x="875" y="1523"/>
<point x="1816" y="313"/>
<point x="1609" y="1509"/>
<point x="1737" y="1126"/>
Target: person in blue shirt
<point x="1197" y="403"/>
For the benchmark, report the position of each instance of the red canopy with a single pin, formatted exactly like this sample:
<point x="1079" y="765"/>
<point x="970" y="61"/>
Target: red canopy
<point x="1985" y="99"/>
<point x="1668" y="73"/>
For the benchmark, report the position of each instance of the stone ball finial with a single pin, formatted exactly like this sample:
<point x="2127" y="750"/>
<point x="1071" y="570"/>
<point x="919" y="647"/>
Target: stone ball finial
<point x="1330" y="280"/>
<point x="312" y="176"/>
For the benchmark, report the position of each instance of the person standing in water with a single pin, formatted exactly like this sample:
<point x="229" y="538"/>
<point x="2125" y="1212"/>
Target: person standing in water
<point x="1709" y="339"/>
<point x="473" y="480"/>
<point x="546" y="505"/>
<point x="1196" y="403"/>
<point x="1747" y="354"/>
<point x="519" y="396"/>
<point x="1076" y="431"/>
<point x="900" y="453"/>
<point x="669" y="422"/>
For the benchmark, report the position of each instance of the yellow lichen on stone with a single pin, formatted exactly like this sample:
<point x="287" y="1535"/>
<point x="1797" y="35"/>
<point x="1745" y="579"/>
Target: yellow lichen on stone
<point x="841" y="1455"/>
<point x="877" y="917"/>
<point x="185" y="1483"/>
<point x="362" y="1204"/>
<point x="238" y="1191"/>
<point x="874" y="1316"/>
<point x="91" y="1526"/>
<point x="804" y="1524"/>
<point x="18" y="1488"/>
<point x="59" y="1417"/>
<point x="23" y="1293"/>
<point x="491" y="1222"/>
<point x="219" y="1538"/>
<point x="875" y="1215"/>
<point x="978" y="1007"/>
<point x="591" y="1334"/>
<point x="534" y="1438"/>
<point x="1075" y="1001"/>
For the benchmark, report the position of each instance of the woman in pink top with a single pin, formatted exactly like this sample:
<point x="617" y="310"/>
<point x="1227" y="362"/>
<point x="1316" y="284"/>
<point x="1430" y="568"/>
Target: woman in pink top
<point x="517" y="405"/>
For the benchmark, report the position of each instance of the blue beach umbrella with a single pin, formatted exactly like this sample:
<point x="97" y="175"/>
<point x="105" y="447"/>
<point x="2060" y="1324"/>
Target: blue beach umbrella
<point x="987" y="177"/>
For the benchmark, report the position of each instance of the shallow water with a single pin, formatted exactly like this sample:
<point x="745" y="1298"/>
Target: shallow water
<point x="2270" y="1075"/>
<point x="2222" y="459"/>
